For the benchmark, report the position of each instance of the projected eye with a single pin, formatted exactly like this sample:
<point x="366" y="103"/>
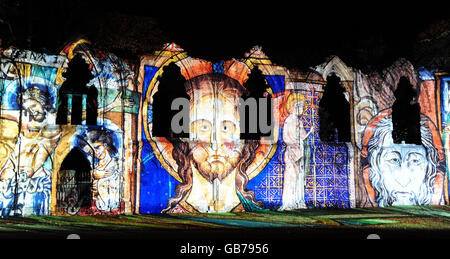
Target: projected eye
<point x="202" y="126"/>
<point x="415" y="159"/>
<point x="227" y="127"/>
<point x="394" y="159"/>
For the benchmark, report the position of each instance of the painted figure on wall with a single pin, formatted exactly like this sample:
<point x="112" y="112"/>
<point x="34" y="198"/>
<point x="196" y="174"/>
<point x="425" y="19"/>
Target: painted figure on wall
<point x="443" y="83"/>
<point x="293" y="135"/>
<point x="213" y="164"/>
<point x="100" y="145"/>
<point x="402" y="174"/>
<point x="36" y="142"/>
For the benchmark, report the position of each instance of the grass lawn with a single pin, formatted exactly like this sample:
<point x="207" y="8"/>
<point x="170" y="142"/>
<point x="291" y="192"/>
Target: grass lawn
<point x="404" y="222"/>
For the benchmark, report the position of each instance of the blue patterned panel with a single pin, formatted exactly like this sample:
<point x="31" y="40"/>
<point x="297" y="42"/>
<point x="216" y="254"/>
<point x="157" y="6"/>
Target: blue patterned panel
<point x="326" y="184"/>
<point x="268" y="184"/>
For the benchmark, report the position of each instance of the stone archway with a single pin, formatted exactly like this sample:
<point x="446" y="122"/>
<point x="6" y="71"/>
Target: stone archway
<point x="74" y="183"/>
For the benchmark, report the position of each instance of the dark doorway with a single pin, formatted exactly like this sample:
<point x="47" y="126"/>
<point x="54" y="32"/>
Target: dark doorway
<point x="74" y="186"/>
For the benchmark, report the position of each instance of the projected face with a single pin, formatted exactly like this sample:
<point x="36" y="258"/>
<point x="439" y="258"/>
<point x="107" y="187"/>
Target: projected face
<point x="404" y="170"/>
<point x="34" y="110"/>
<point x="97" y="148"/>
<point x="401" y="174"/>
<point x="299" y="107"/>
<point x="215" y="131"/>
<point x="295" y="104"/>
<point x="101" y="145"/>
<point x="35" y="104"/>
<point x="100" y="150"/>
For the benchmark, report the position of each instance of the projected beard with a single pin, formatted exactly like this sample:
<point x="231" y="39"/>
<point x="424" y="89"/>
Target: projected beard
<point x="402" y="174"/>
<point x="212" y="166"/>
<point x="215" y="149"/>
<point x="215" y="135"/>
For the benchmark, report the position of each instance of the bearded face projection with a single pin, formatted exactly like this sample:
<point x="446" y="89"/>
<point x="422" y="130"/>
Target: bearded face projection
<point x="214" y="150"/>
<point x="36" y="104"/>
<point x="402" y="174"/>
<point x="216" y="147"/>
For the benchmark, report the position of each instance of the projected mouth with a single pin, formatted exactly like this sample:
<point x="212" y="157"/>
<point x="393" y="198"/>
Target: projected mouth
<point x="216" y="157"/>
<point x="403" y="198"/>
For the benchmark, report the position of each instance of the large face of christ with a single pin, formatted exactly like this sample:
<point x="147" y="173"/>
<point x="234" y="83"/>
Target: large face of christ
<point x="214" y="129"/>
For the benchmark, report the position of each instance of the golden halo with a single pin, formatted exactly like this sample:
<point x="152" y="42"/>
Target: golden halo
<point x="294" y="98"/>
<point x="162" y="148"/>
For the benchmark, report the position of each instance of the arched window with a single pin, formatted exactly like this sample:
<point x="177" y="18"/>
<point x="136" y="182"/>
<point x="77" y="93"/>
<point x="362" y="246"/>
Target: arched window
<point x="334" y="113"/>
<point x="91" y="106"/>
<point x="73" y="93"/>
<point x="62" y="112"/>
<point x="256" y="86"/>
<point x="171" y="87"/>
<point x="406" y="114"/>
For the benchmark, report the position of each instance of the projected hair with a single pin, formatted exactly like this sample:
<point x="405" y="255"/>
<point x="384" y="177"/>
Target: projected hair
<point x="383" y="129"/>
<point x="104" y="137"/>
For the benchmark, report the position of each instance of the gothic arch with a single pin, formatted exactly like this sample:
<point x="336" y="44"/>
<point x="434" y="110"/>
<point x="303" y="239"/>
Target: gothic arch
<point x="335" y="65"/>
<point x="74" y="183"/>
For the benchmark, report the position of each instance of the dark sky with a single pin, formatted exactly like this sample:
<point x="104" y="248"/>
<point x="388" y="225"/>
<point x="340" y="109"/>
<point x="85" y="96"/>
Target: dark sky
<point x="290" y="32"/>
<point x="369" y="32"/>
<point x="298" y="32"/>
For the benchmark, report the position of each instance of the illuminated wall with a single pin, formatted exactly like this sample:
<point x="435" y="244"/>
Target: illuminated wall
<point x="123" y="168"/>
<point x="398" y="174"/>
<point x="34" y="147"/>
<point x="297" y="170"/>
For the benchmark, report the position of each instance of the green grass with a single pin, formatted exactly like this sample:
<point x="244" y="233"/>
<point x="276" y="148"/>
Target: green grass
<point x="402" y="217"/>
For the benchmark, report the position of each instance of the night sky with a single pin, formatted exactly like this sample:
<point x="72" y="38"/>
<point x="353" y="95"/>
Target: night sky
<point x="292" y="33"/>
<point x="307" y="36"/>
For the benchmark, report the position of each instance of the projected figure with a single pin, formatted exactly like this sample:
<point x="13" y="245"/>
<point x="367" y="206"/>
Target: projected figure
<point x="106" y="173"/>
<point x="213" y="164"/>
<point x="36" y="141"/>
<point x="402" y="174"/>
<point x="293" y="135"/>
